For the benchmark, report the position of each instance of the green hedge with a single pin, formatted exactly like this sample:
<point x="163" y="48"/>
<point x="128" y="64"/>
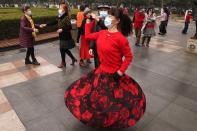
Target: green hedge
<point x="10" y="19"/>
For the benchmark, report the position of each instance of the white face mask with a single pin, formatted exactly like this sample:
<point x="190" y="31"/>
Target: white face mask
<point x="103" y="14"/>
<point x="60" y="12"/>
<point x="108" y="22"/>
<point x="29" y="13"/>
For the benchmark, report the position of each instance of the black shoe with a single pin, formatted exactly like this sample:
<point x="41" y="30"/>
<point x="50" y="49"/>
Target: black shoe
<point x="73" y="62"/>
<point x="35" y="62"/>
<point x="27" y="62"/>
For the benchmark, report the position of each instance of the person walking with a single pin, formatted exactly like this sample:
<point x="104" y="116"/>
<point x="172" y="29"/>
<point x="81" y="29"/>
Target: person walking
<point x="80" y="17"/>
<point x="27" y="35"/>
<point x="163" y="21"/>
<point x="85" y="44"/>
<point x="138" y="23"/>
<point x="64" y="29"/>
<point x="188" y="17"/>
<point x="107" y="97"/>
<point x="149" y="27"/>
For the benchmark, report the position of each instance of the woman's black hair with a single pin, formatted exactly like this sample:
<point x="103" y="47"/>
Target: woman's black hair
<point x="125" y="24"/>
<point x="82" y="8"/>
<point x="147" y="11"/>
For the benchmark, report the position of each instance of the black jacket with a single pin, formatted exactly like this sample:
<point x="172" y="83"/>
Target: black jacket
<point x="63" y="23"/>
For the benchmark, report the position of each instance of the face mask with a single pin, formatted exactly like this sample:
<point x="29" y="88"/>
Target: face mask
<point x="60" y="12"/>
<point x="29" y="13"/>
<point x="103" y="14"/>
<point x="108" y="22"/>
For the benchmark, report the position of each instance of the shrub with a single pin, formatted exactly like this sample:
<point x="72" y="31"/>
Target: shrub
<point x="10" y="18"/>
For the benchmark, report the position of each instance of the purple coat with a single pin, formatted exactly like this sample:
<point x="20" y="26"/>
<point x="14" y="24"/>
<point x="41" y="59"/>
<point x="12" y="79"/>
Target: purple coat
<point x="25" y="36"/>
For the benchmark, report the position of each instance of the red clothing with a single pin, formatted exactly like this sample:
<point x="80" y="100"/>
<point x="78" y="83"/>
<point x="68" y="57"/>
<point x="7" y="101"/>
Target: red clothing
<point x="111" y="48"/>
<point x="85" y="45"/>
<point x="188" y="18"/>
<point x="84" y="48"/>
<point x="139" y="19"/>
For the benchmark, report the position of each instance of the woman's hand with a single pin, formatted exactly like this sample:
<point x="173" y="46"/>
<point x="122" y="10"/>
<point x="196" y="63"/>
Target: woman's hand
<point x="94" y="16"/>
<point x="59" y="31"/>
<point x="91" y="52"/>
<point x="117" y="75"/>
<point x="43" y="25"/>
<point x="36" y="30"/>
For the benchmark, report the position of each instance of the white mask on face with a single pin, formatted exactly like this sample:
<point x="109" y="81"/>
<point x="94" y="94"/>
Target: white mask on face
<point x="29" y="13"/>
<point x="103" y="14"/>
<point x="60" y="12"/>
<point x="108" y="22"/>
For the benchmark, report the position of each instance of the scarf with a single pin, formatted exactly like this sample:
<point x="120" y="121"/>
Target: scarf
<point x="32" y="24"/>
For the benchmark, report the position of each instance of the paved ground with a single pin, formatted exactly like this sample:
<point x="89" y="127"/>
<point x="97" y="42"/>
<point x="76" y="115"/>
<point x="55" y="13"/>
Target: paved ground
<point x="31" y="98"/>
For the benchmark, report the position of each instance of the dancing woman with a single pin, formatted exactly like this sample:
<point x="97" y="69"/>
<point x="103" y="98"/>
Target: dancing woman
<point x="64" y="29"/>
<point x="107" y="97"/>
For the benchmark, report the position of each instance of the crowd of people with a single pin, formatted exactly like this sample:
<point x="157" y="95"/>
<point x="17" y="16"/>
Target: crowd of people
<point x="105" y="97"/>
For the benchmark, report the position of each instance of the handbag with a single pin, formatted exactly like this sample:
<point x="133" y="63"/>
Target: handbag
<point x="67" y="44"/>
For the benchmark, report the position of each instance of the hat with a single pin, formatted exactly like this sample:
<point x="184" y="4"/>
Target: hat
<point x="86" y="11"/>
<point x="103" y="6"/>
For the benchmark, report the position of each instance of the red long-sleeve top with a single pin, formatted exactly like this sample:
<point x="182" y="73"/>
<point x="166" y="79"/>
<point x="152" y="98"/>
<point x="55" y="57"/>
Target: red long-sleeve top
<point x="139" y="19"/>
<point x="111" y="48"/>
<point x="188" y="18"/>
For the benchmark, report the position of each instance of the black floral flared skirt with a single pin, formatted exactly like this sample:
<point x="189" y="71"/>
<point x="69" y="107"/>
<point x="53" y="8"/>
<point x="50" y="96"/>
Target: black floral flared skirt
<point x="97" y="100"/>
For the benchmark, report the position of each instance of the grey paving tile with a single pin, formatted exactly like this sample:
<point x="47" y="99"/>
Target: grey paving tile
<point x="186" y="103"/>
<point x="17" y="94"/>
<point x="45" y="123"/>
<point x="155" y="104"/>
<point x="52" y="99"/>
<point x="179" y="117"/>
<point x="30" y="109"/>
<point x="159" y="125"/>
<point x="146" y="119"/>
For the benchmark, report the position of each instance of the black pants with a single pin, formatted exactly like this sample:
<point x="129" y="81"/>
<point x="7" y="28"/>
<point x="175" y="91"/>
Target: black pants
<point x="186" y="27"/>
<point x="144" y="39"/>
<point x="30" y="52"/>
<point x="79" y="34"/>
<point x="138" y="34"/>
<point x="162" y="27"/>
<point x="63" y="54"/>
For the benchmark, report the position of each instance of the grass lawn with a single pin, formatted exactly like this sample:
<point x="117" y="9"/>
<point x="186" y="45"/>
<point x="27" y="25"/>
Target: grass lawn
<point x="16" y="13"/>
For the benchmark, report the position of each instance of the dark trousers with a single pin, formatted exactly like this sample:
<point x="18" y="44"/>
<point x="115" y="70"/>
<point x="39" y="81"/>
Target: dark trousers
<point x="79" y="34"/>
<point x="63" y="54"/>
<point x="144" y="39"/>
<point x="186" y="27"/>
<point x="162" y="27"/>
<point x="30" y="52"/>
<point x="138" y="33"/>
